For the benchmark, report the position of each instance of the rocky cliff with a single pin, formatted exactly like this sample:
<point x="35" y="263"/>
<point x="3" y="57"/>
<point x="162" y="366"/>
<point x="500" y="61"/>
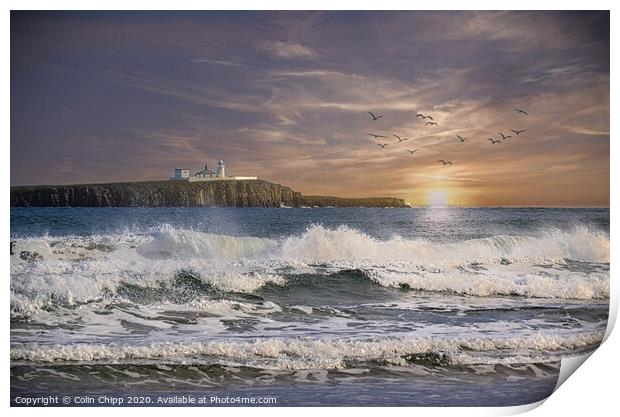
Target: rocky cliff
<point x="230" y="193"/>
<point x="327" y="201"/>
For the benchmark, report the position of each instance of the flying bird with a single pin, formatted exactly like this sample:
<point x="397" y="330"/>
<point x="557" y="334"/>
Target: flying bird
<point x="518" y="131"/>
<point x="521" y="111"/>
<point x="445" y="162"/>
<point x="383" y="145"/>
<point x="431" y="123"/>
<point x="503" y="136"/>
<point x="462" y="139"/>
<point x="376" y="136"/>
<point x="373" y="116"/>
<point x="411" y="151"/>
<point x="399" y="138"/>
<point x="424" y="117"/>
<point x="493" y="141"/>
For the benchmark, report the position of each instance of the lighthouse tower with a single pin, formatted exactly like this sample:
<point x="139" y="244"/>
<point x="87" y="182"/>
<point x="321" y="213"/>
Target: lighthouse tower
<point x="221" y="169"/>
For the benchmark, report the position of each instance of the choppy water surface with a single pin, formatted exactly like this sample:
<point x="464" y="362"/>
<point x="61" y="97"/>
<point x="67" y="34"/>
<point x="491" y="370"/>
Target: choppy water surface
<point x="313" y="306"/>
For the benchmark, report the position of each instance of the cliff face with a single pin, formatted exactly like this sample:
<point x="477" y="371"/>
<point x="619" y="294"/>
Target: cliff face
<point x="231" y="193"/>
<point x="326" y="201"/>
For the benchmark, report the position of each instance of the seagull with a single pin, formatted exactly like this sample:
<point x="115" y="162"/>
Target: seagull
<point x="431" y="123"/>
<point x="376" y="136"/>
<point x="504" y="136"/>
<point x="518" y="131"/>
<point x="420" y="115"/>
<point x="411" y="151"/>
<point x="493" y="141"/>
<point x="428" y="117"/>
<point x="445" y="162"/>
<point x="373" y="116"/>
<point x="383" y="145"/>
<point x="462" y="139"/>
<point x="521" y="111"/>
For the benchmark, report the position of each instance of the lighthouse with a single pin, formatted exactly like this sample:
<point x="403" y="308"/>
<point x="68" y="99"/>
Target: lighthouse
<point x="208" y="175"/>
<point x="221" y="169"/>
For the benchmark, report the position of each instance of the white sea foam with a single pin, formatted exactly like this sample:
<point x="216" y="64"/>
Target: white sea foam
<point x="317" y="353"/>
<point x="229" y="308"/>
<point x="81" y="269"/>
<point x="507" y="280"/>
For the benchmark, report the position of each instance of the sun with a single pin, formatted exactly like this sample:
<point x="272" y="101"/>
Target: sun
<point x="438" y="198"/>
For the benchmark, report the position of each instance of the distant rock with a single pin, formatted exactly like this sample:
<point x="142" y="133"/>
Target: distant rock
<point x="328" y="201"/>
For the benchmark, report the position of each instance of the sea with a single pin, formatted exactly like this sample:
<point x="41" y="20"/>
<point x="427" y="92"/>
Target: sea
<point x="303" y="306"/>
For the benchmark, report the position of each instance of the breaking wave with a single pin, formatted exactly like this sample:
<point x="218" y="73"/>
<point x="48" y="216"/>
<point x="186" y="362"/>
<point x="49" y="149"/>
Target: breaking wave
<point x="321" y="353"/>
<point x="319" y="244"/>
<point x="50" y="270"/>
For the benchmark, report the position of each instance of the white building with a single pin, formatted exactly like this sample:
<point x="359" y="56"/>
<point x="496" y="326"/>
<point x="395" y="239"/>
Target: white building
<point x="180" y="174"/>
<point x="221" y="169"/>
<point x="207" y="175"/>
<point x="204" y="175"/>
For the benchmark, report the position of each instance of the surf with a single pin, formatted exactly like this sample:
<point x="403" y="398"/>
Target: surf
<point x="309" y="353"/>
<point x="52" y="270"/>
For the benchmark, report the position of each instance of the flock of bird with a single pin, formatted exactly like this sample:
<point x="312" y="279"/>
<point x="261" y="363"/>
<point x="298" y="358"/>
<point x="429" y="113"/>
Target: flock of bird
<point x="431" y="122"/>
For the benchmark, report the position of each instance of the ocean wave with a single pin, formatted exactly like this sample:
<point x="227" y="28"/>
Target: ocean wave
<point x="497" y="282"/>
<point x="319" y="244"/>
<point x="76" y="269"/>
<point x="321" y="353"/>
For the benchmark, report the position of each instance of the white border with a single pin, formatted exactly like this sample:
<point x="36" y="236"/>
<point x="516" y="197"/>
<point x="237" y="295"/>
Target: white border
<point x="591" y="391"/>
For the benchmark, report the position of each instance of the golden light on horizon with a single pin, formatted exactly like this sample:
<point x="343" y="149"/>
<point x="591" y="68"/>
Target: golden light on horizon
<point x="438" y="198"/>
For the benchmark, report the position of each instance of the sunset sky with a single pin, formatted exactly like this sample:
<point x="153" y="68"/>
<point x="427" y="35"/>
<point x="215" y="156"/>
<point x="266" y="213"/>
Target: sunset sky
<point x="122" y="96"/>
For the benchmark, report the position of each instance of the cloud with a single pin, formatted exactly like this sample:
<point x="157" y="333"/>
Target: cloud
<point x="287" y="49"/>
<point x="447" y="104"/>
<point x="570" y="71"/>
<point x="523" y="30"/>
<point x="207" y="60"/>
<point x="198" y="93"/>
<point x="587" y="131"/>
<point x="311" y="73"/>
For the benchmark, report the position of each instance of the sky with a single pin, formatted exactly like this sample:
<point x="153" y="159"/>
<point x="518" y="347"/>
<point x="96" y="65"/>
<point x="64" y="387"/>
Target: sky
<point x="128" y="96"/>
